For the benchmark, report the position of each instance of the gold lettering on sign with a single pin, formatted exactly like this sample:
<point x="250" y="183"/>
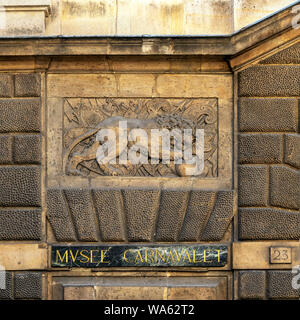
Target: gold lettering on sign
<point x="73" y="257"/>
<point x="158" y="256"/>
<point x="85" y="256"/>
<point x="205" y="256"/>
<point x="194" y="257"/>
<point x="103" y="256"/>
<point x="62" y="258"/>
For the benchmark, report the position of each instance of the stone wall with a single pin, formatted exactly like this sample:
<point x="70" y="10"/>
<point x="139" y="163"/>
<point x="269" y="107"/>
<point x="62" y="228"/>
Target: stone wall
<point x="42" y="204"/>
<point x="20" y="174"/>
<point x="131" y="17"/>
<point x="20" y="157"/>
<point x="269" y="163"/>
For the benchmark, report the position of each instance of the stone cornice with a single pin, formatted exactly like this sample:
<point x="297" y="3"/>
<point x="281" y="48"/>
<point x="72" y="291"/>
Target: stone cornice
<point x="30" y="5"/>
<point x="232" y="45"/>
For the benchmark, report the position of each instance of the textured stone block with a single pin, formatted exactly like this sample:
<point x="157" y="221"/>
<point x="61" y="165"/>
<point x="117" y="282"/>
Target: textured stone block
<point x="285" y="187"/>
<point x="253" y="186"/>
<point x="19" y="115"/>
<point x="81" y="208"/>
<point x="20" y="186"/>
<point x="79" y="293"/>
<point x="290" y="55"/>
<point x="20" y="224"/>
<point x="7" y="292"/>
<point x="292" y="150"/>
<point x="109" y="208"/>
<point x="6" y="85"/>
<point x="268" y="224"/>
<point x="260" y="148"/>
<point x="280" y="285"/>
<point x="220" y="217"/>
<point x="27" y="85"/>
<point x="28" y="285"/>
<point x="252" y="285"/>
<point x="199" y="208"/>
<point x="268" y="114"/>
<point x="130" y="293"/>
<point x="141" y="207"/>
<point x="6" y="149"/>
<point x="268" y="81"/>
<point x="171" y="214"/>
<point x="27" y="149"/>
<point x="59" y="217"/>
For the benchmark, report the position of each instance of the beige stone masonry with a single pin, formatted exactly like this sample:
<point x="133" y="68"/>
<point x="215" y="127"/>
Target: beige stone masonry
<point x="23" y="18"/>
<point x="23" y="257"/>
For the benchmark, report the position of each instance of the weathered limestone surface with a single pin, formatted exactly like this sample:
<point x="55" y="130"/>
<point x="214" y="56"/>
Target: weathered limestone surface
<point x="280" y="285"/>
<point x="260" y="148"/>
<point x="268" y="224"/>
<point x="266" y="285"/>
<point x="40" y="204"/>
<point x="20" y="224"/>
<point x="267" y="114"/>
<point x="269" y="148"/>
<point x="22" y="285"/>
<point x="28" y="285"/>
<point x="139" y="215"/>
<point x="252" y="285"/>
<point x="20" y="115"/>
<point x="59" y="216"/>
<point x="108" y="18"/>
<point x="135" y="287"/>
<point x="253" y="186"/>
<point x="269" y="81"/>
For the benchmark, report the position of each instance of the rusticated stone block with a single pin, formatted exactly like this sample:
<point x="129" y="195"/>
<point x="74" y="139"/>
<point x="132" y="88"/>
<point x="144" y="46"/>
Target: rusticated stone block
<point x="27" y="85"/>
<point x="199" y="208"/>
<point x="260" y="148"/>
<point x="81" y="208"/>
<point x="252" y="285"/>
<point x="266" y="81"/>
<point x="7" y="292"/>
<point x="292" y="150"/>
<point x="268" y="114"/>
<point x="109" y="208"/>
<point x="6" y="85"/>
<point x="290" y="55"/>
<point x="285" y="187"/>
<point x="268" y="224"/>
<point x="6" y="149"/>
<point x="27" y="149"/>
<point x="59" y="217"/>
<point x="172" y="210"/>
<point x="28" y="285"/>
<point x="253" y="186"/>
<point x="141" y="207"/>
<point x="19" y="115"/>
<point x="20" y="186"/>
<point x="280" y="285"/>
<point x="20" y="224"/>
<point x="220" y="217"/>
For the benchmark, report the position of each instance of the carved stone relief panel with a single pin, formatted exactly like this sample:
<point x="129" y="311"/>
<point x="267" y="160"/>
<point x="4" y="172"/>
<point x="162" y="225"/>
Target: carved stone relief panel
<point x="83" y="118"/>
<point x="80" y="105"/>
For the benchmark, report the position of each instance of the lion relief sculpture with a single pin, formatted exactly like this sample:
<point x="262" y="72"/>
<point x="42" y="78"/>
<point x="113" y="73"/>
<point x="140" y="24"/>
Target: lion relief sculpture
<point x="84" y="150"/>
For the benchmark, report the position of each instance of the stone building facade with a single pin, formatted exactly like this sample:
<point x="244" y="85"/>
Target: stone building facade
<point x="242" y="88"/>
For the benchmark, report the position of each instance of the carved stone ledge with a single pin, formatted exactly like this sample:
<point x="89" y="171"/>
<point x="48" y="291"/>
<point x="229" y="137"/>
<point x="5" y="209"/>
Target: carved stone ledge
<point x="27" y="19"/>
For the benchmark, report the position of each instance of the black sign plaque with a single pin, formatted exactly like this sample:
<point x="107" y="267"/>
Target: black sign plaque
<point x="99" y="256"/>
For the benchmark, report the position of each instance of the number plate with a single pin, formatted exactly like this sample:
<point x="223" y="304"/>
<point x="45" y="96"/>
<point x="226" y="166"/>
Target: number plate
<point x="280" y="255"/>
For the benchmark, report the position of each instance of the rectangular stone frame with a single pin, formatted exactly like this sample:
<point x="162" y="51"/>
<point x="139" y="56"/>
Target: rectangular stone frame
<point x="139" y="85"/>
